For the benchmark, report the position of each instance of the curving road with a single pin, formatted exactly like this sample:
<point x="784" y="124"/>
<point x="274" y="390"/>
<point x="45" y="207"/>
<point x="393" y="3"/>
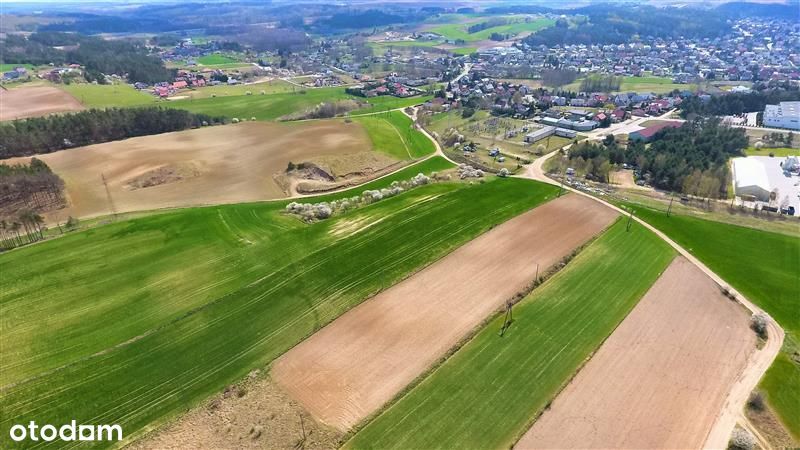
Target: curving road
<point x="760" y="360"/>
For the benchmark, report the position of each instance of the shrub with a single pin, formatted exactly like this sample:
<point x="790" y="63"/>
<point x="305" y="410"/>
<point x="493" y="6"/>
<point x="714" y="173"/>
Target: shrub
<point x="756" y="401"/>
<point x="759" y="324"/>
<point x="741" y="439"/>
<point x="235" y="120"/>
<point x="503" y="173"/>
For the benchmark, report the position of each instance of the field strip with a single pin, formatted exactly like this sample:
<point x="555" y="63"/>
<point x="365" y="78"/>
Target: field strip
<point x="401" y="139"/>
<point x="489" y="391"/>
<point x="350" y="368"/>
<point x="661" y="378"/>
<point x="757" y="367"/>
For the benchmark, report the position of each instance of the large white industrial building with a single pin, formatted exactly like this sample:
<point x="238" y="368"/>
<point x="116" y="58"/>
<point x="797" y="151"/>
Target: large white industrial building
<point x="783" y="115"/>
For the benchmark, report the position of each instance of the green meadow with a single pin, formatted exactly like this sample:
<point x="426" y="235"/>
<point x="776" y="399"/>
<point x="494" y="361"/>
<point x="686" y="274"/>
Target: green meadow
<point x="108" y="95"/>
<point x="488" y="393"/>
<point x="764" y="267"/>
<point x="216" y="59"/>
<point x="458" y="31"/>
<point x="393" y="133"/>
<point x="137" y="321"/>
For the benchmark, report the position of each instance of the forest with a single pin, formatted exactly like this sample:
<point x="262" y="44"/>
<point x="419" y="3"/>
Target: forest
<point x="691" y="159"/>
<point x="737" y="103"/>
<point x="24" y="190"/>
<point x="605" y="27"/>
<point x="52" y="133"/>
<point x="98" y="56"/>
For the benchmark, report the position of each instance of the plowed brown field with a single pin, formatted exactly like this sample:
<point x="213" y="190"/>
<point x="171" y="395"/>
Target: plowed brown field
<point x="661" y="378"/>
<point x="22" y="102"/>
<point x="211" y="165"/>
<point x="353" y="366"/>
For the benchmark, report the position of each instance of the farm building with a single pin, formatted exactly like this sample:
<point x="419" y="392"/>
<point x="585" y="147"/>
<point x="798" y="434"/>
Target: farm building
<point x="539" y="134"/>
<point x="760" y="176"/>
<point x="647" y="134"/>
<point x="783" y="115"/>
<point x="751" y="179"/>
<point x="544" y="132"/>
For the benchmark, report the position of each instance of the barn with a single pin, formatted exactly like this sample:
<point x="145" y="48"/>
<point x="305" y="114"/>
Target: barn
<point x="751" y="178"/>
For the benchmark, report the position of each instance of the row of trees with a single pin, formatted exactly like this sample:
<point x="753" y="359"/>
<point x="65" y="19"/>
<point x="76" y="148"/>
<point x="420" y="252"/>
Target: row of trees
<point x="690" y="159"/>
<point x="601" y="83"/>
<point x="737" y="103"/>
<point x="52" y="133"/>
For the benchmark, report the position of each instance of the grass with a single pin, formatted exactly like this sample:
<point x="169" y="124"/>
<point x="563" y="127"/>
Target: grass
<point x="488" y="393"/>
<point x="458" y="31"/>
<point x="779" y="152"/>
<point x="262" y="107"/>
<point x="656" y="85"/>
<point x="224" y="90"/>
<point x="764" y="267"/>
<point x="216" y="59"/>
<point x="150" y="316"/>
<point x="108" y="95"/>
<point x="10" y="67"/>
<point x="388" y="102"/>
<point x="394" y="135"/>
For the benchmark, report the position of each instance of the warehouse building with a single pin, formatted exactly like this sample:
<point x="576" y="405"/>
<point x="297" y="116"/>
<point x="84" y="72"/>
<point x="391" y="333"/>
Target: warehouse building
<point x="783" y="115"/>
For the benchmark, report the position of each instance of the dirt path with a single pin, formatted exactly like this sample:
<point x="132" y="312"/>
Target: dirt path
<point x="349" y="369"/>
<point x="732" y="410"/>
<point x="661" y="378"/>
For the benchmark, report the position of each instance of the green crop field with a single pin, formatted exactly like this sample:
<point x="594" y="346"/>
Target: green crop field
<point x="656" y="85"/>
<point x="764" y="267"/>
<point x="9" y="67"/>
<point x="213" y="60"/>
<point x="487" y="394"/>
<point x="108" y="95"/>
<point x="262" y="107"/>
<point x="152" y="315"/>
<point x="394" y="135"/>
<point x="458" y="31"/>
<point x="224" y="90"/>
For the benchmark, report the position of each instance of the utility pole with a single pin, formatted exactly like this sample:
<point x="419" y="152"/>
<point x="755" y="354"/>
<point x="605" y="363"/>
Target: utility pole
<point x="108" y="195"/>
<point x="628" y="225"/>
<point x="561" y="188"/>
<point x="671" y="198"/>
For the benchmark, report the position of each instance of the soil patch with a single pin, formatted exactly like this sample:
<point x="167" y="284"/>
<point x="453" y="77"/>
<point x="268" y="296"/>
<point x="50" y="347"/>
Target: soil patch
<point x="661" y="378"/>
<point x="352" y="367"/>
<point x="256" y="414"/>
<point x="33" y="101"/>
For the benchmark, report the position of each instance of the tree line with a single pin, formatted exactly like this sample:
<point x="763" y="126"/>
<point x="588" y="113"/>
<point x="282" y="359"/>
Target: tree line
<point x="39" y="135"/>
<point x="691" y="159"/>
<point x="26" y="189"/>
<point x="737" y="103"/>
<point x="601" y="83"/>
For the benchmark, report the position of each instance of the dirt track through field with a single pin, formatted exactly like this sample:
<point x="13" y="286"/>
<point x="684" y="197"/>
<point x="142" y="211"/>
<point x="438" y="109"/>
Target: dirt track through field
<point x="211" y="165"/>
<point x="661" y="378"/>
<point x="350" y="368"/>
<point x="33" y="101"/>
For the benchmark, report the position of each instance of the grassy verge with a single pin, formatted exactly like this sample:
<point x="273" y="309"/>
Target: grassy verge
<point x="764" y="267"/>
<point x="779" y="152"/>
<point x="487" y="394"/>
<point x="147" y="317"/>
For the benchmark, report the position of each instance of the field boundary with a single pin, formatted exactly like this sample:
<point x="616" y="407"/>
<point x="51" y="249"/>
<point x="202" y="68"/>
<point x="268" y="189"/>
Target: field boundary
<point x="549" y="273"/>
<point x="760" y="362"/>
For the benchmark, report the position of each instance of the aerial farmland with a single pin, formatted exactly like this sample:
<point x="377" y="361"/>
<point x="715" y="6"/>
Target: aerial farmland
<point x="377" y="226"/>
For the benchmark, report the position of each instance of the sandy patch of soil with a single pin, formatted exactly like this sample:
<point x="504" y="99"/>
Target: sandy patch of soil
<point x="624" y="179"/>
<point x="256" y="414"/>
<point x="661" y="378"/>
<point x="350" y="368"/>
<point x="211" y="165"/>
<point x="168" y="173"/>
<point x="33" y="101"/>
